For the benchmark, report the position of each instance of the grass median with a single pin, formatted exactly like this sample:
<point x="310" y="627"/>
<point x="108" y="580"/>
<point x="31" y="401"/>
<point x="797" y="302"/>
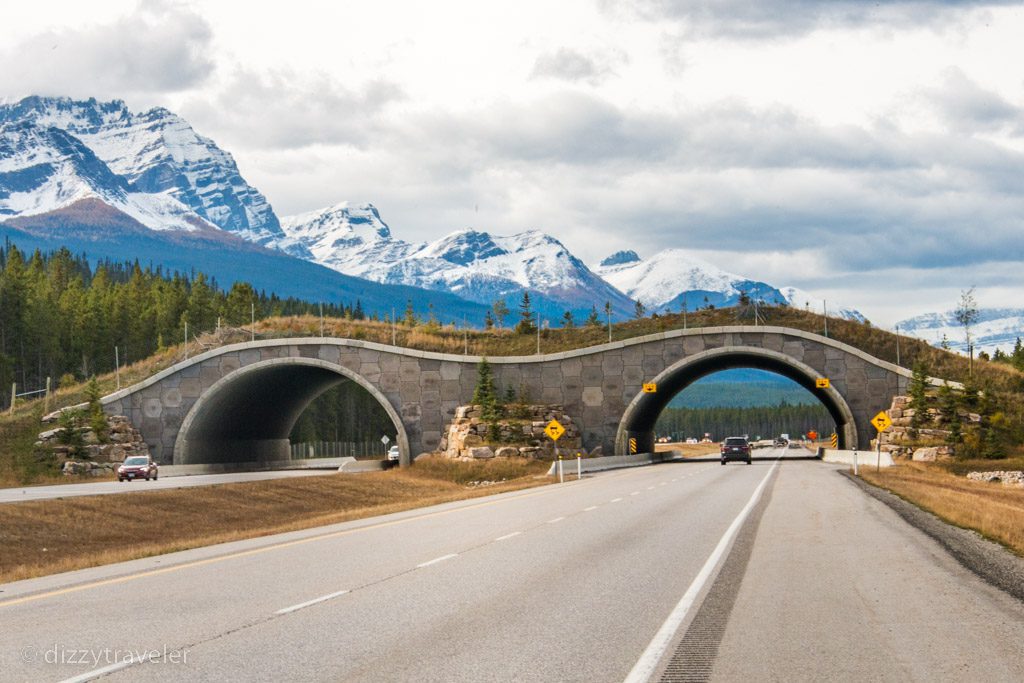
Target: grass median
<point x="50" y="536"/>
<point x="993" y="510"/>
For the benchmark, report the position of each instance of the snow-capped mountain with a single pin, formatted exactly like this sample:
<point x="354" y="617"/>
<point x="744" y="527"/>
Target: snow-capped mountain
<point x="56" y="146"/>
<point x="996" y="328"/>
<point x="672" y="277"/>
<point x="799" y="298"/>
<point x="475" y="265"/>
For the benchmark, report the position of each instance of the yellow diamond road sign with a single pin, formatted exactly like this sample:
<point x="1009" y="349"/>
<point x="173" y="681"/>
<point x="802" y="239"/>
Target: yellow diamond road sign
<point x="821" y="383"/>
<point x="554" y="430"/>
<point x="650" y="388"/>
<point x="881" y="421"/>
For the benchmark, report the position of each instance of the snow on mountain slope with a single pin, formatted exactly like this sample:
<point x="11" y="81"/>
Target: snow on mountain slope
<point x="43" y="169"/>
<point x="158" y="154"/>
<point x="353" y="239"/>
<point x="670" y="277"/>
<point x="997" y="328"/>
<point x="799" y="298"/>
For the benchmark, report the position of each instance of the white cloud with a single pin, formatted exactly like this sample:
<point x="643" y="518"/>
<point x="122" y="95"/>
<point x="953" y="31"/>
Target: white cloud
<point x="158" y="48"/>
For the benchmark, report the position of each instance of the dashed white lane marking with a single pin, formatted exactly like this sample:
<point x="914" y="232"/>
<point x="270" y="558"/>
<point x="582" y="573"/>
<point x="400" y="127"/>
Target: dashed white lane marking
<point x="96" y="673"/>
<point x="616" y="500"/>
<point x="662" y="483"/>
<point x="675" y="479"/>
<point x="650" y="488"/>
<point x="308" y="603"/>
<point x="555" y="520"/>
<point x="436" y="560"/>
<point x="508" y="536"/>
<point x="592" y="507"/>
<point x="635" y="493"/>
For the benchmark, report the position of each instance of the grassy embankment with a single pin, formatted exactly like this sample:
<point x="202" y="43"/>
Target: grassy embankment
<point x="50" y="536"/>
<point x="993" y="510"/>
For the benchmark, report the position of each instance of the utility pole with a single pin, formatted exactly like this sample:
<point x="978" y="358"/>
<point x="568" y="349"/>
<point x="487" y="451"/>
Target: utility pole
<point x="684" y="310"/>
<point x="321" y="319"/>
<point x="538" y="333"/>
<point x="824" y="314"/>
<point x="609" y="312"/>
<point x="897" y="344"/>
<point x="186" y="340"/>
<point x="465" y="336"/>
<point x="252" y="319"/>
<point x="117" y="368"/>
<point x="394" y="330"/>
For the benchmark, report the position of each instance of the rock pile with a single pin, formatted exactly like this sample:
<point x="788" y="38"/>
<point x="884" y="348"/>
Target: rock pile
<point x="470" y="437"/>
<point x="94" y="458"/>
<point x="1006" y="477"/>
<point x="901" y="440"/>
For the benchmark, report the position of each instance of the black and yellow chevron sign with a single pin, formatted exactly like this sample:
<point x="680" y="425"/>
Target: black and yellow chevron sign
<point x="835" y="440"/>
<point x="632" y="446"/>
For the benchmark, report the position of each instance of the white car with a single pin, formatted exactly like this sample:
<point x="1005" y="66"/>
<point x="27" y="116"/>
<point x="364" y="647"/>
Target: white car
<point x="391" y="459"/>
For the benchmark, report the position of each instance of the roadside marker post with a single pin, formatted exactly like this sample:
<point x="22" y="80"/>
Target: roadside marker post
<point x="579" y="466"/>
<point x="561" y="474"/>
<point x="554" y="430"/>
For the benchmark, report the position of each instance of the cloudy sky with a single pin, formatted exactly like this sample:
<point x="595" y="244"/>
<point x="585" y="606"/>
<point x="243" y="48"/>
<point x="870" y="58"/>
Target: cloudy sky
<point x="872" y="153"/>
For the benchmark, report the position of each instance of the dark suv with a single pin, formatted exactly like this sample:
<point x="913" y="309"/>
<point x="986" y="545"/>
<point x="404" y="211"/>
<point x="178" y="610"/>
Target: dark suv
<point x="736" y="448"/>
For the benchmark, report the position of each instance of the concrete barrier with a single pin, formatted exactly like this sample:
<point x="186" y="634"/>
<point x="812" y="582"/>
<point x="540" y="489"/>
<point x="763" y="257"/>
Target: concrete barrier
<point x="864" y="458"/>
<point x="232" y="467"/>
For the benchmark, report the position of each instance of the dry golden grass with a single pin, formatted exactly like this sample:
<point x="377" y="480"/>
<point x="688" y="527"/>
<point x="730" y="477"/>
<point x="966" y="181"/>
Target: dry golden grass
<point x="688" y="450"/>
<point x="50" y="536"/>
<point x="993" y="510"/>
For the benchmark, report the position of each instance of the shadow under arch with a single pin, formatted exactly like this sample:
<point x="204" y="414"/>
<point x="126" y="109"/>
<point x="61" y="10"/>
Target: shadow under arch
<point x="642" y="412"/>
<point x="247" y="415"/>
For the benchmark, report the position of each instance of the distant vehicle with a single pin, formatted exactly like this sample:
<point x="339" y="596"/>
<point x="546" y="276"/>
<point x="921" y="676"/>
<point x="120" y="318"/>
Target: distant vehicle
<point x="736" y="448"/>
<point x="692" y="440"/>
<point x="391" y="459"/>
<point x="781" y="442"/>
<point x="137" y="467"/>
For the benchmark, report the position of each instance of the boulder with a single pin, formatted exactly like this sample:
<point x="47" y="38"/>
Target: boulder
<point x="480" y="452"/>
<point x="926" y="454"/>
<point x="472" y="440"/>
<point x="507" y="452"/>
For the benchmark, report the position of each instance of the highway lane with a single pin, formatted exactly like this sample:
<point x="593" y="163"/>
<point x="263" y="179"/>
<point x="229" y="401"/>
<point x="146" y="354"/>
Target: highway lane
<point x="567" y="582"/>
<point x="99" y="488"/>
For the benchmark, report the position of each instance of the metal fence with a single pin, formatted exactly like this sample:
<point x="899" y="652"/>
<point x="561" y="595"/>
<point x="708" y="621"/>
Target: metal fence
<point x="338" y="449"/>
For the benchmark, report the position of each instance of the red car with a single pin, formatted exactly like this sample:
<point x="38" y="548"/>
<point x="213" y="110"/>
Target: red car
<point x="137" y="467"/>
<point x="736" y="448"/>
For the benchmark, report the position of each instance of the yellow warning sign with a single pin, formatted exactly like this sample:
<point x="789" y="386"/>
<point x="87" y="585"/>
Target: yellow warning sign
<point x="554" y="430"/>
<point x="822" y="383"/>
<point x="650" y="388"/>
<point x="881" y="421"/>
<point x="835" y="440"/>
<point x="632" y="446"/>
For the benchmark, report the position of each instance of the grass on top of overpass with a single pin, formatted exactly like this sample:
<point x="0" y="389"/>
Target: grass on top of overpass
<point x="50" y="536"/>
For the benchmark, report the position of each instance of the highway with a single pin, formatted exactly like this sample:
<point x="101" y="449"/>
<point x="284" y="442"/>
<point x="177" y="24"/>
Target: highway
<point x="774" y="571"/>
<point x="20" y="494"/>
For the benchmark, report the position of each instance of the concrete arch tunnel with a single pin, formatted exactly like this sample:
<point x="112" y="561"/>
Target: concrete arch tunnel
<point x="238" y="403"/>
<point x="248" y="415"/>
<point x="642" y="413"/>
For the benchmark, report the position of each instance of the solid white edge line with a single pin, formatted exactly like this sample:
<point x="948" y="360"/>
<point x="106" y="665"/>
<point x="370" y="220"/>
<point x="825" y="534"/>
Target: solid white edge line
<point x="592" y="507"/>
<point x="96" y="673"/>
<point x="436" y="560"/>
<point x="649" y="660"/>
<point x="635" y="493"/>
<point x="508" y="536"/>
<point x="616" y="500"/>
<point x="308" y="603"/>
<point x="555" y="520"/>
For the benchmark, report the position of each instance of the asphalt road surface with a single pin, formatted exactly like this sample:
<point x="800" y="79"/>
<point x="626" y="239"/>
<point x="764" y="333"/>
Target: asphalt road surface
<point x="691" y="571"/>
<point x="100" y="488"/>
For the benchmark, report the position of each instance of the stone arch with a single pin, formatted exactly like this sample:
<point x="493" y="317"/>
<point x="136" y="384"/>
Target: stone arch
<point x="247" y="415"/>
<point x="642" y="412"/>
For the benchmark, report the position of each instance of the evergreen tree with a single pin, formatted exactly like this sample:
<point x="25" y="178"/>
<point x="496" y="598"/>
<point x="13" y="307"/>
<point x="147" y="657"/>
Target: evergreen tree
<point x="488" y="320"/>
<point x="567" y="320"/>
<point x="238" y="306"/>
<point x="918" y="397"/>
<point x="97" y="418"/>
<point x="410" y="315"/>
<point x="592" y="319"/>
<point x="639" y="310"/>
<point x="484" y="393"/>
<point x="525" y="324"/>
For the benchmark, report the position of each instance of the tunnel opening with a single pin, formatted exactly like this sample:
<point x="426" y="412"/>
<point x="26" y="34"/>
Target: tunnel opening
<point x="758" y="404"/>
<point x="638" y="428"/>
<point x="249" y="415"/>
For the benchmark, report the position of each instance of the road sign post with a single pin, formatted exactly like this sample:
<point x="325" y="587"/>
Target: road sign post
<point x="554" y="430"/>
<point x="881" y="423"/>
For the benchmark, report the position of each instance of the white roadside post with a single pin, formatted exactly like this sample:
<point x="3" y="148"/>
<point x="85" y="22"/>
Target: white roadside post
<point x="855" y="472"/>
<point x="579" y="466"/>
<point x="561" y="474"/>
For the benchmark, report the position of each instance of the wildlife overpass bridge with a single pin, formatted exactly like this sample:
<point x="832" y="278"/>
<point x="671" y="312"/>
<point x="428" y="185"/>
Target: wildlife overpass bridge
<point x="238" y="403"/>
